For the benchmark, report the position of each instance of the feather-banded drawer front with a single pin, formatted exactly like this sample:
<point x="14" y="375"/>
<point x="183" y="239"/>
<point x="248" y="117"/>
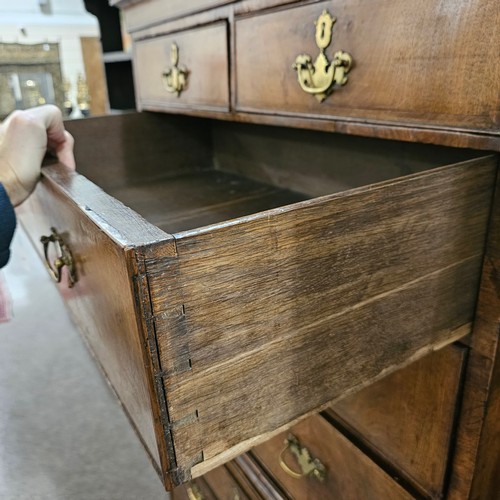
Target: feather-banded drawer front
<point x="186" y="70"/>
<point x="247" y="298"/>
<point x="413" y="63"/>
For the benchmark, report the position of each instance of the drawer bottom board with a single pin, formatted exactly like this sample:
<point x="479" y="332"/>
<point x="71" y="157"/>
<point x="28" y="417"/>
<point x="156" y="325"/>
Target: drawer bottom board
<point x="199" y="198"/>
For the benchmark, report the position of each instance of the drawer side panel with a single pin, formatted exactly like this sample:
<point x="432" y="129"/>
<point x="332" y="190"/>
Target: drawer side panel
<point x="293" y="308"/>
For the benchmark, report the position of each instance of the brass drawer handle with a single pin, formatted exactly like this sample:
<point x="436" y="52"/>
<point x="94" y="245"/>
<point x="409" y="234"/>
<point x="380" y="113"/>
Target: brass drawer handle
<point x="194" y="493"/>
<point x="309" y="466"/>
<point x="175" y="78"/>
<point x="63" y="258"/>
<point x="318" y="78"/>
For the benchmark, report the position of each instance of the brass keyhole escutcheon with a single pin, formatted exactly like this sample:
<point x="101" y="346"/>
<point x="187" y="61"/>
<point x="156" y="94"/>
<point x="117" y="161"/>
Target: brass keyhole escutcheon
<point x="64" y="258"/>
<point x="320" y="77"/>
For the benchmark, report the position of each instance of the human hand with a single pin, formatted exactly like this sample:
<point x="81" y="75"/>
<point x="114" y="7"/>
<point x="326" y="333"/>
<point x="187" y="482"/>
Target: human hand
<point x="25" y="137"/>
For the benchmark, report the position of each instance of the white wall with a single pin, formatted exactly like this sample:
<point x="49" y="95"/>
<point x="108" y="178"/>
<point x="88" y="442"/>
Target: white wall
<point x="22" y="21"/>
<point x="33" y="6"/>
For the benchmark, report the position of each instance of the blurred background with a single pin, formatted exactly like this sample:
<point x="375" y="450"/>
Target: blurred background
<point x="71" y="53"/>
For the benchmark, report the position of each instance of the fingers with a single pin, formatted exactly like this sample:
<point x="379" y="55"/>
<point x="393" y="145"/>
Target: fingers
<point x="59" y="140"/>
<point x="25" y="137"/>
<point x="64" y="151"/>
<point x="50" y="117"/>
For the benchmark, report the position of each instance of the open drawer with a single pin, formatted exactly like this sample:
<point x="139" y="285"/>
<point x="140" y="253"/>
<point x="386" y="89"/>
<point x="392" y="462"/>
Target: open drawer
<point x="270" y="272"/>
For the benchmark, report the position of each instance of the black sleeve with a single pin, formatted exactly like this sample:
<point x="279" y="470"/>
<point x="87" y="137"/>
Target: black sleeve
<point x="7" y="226"/>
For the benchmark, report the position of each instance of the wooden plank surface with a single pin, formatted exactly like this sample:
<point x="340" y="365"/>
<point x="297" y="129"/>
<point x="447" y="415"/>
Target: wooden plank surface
<point x="122" y="224"/>
<point x="246" y="399"/>
<point x="318" y="163"/>
<point x="268" y="304"/>
<point x="475" y="466"/>
<point x="412" y="62"/>
<point x="197" y="199"/>
<point x="129" y="148"/>
<point x="407" y="419"/>
<point x="350" y="474"/>
<point x="271" y="272"/>
<point x="102" y="303"/>
<point x="203" y="52"/>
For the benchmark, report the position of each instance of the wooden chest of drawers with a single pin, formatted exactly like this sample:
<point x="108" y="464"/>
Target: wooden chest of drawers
<point x="250" y="276"/>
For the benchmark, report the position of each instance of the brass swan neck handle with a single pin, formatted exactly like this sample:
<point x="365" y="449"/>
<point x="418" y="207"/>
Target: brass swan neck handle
<point x="318" y="78"/>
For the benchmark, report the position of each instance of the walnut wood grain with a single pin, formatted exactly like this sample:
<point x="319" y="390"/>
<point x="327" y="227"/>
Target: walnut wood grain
<point x="407" y="419"/>
<point x="231" y="316"/>
<point x="317" y="163"/>
<point x="130" y="148"/>
<point x="439" y="42"/>
<point x="256" y="482"/>
<point x="218" y="338"/>
<point x="139" y="15"/>
<point x="475" y="472"/>
<point x="203" y="52"/>
<point x="279" y="250"/>
<point x="102" y="303"/>
<point x="422" y="130"/>
<point x="349" y="473"/>
<point x="198" y="199"/>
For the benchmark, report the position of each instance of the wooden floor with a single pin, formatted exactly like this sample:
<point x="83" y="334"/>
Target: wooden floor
<point x="197" y="199"/>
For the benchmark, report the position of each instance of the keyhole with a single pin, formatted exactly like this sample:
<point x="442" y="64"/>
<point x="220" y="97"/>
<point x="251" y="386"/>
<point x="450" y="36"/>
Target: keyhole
<point x="322" y="30"/>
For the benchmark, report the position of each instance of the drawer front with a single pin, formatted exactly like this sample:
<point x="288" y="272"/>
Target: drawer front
<point x="102" y="302"/>
<point x="347" y="472"/>
<point x="202" y="61"/>
<point x="403" y="55"/>
<point x="142" y="14"/>
<point x="407" y="419"/>
<point x="240" y="479"/>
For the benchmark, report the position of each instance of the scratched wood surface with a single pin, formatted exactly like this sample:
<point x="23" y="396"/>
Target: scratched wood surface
<point x="261" y="312"/>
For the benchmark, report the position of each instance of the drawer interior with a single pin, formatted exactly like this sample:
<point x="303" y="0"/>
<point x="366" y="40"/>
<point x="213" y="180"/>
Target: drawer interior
<point x="291" y="280"/>
<point x="181" y="174"/>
